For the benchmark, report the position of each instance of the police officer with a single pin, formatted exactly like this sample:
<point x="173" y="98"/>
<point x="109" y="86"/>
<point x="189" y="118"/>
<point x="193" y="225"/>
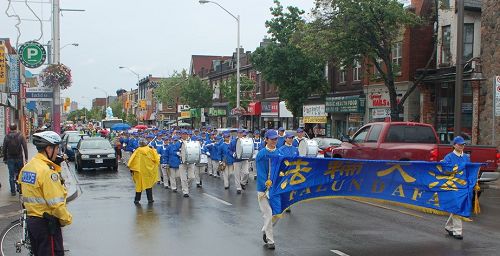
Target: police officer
<point x="44" y="196"/>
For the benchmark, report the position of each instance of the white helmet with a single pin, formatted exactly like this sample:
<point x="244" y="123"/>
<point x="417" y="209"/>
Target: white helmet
<point x="47" y="138"/>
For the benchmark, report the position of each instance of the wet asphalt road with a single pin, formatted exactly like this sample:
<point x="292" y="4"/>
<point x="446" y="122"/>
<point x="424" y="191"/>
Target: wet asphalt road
<point x="214" y="221"/>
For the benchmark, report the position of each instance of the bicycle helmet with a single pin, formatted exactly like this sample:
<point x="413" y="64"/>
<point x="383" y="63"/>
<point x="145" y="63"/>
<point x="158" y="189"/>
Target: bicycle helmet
<point x="44" y="139"/>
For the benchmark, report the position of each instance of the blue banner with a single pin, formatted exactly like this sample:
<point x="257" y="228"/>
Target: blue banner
<point x="428" y="186"/>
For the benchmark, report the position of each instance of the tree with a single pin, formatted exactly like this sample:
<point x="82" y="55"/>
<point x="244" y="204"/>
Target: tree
<point x="350" y="30"/>
<point x="228" y="89"/>
<point x="117" y="107"/>
<point x="169" y="89"/>
<point x="196" y="93"/>
<point x="296" y="74"/>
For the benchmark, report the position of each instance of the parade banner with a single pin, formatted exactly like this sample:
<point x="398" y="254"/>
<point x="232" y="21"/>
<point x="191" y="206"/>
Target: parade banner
<point x="431" y="187"/>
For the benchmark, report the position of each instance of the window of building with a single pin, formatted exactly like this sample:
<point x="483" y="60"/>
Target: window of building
<point x="342" y="74"/>
<point x="356" y="71"/>
<point x="446" y="44"/>
<point x="397" y="58"/>
<point x="468" y="41"/>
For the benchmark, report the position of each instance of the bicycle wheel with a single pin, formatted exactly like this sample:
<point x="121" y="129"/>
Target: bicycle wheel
<point x="10" y="243"/>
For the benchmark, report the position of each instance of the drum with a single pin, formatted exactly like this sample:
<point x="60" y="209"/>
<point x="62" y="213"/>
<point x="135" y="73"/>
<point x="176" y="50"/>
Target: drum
<point x="308" y="148"/>
<point x="191" y="152"/>
<point x="203" y="159"/>
<point x="244" y="148"/>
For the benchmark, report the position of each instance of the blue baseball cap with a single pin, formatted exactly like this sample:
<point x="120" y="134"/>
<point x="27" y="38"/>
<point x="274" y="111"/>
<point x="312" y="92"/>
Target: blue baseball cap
<point x="226" y="134"/>
<point x="300" y="130"/>
<point x="281" y="129"/>
<point x="175" y="137"/>
<point x="289" y="135"/>
<point x="459" y="140"/>
<point x="272" y="134"/>
<point x="256" y="132"/>
<point x="150" y="136"/>
<point x="184" y="131"/>
<point x="218" y="137"/>
<point x="241" y="131"/>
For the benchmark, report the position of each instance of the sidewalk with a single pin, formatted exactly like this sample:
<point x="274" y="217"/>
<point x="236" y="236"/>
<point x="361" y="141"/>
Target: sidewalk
<point x="9" y="205"/>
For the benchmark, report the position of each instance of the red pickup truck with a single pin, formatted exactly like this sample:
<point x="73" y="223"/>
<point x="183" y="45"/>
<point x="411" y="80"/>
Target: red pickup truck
<point x="408" y="141"/>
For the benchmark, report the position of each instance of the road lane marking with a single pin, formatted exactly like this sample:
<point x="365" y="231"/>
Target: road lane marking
<point x="218" y="199"/>
<point x="339" y="253"/>
<point x="388" y="208"/>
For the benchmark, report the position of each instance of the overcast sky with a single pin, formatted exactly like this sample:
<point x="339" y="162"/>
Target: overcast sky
<point x="154" y="37"/>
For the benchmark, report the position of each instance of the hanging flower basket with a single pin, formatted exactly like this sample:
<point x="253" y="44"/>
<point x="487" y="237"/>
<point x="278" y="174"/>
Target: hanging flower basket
<point x="56" y="75"/>
<point x="238" y="111"/>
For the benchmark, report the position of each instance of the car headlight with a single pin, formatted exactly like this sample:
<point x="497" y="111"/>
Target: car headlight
<point x="85" y="156"/>
<point x="111" y="155"/>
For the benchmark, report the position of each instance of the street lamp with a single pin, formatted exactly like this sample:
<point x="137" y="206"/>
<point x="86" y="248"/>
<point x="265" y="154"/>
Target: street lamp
<point x="74" y="44"/>
<point x="133" y="72"/>
<point x="237" y="18"/>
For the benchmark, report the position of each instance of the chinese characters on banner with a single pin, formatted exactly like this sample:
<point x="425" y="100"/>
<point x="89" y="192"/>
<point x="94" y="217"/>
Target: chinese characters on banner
<point x="3" y="66"/>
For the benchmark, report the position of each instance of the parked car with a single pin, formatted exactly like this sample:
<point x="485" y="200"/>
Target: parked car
<point x="326" y="145"/>
<point x="95" y="152"/>
<point x="70" y="142"/>
<point x="408" y="141"/>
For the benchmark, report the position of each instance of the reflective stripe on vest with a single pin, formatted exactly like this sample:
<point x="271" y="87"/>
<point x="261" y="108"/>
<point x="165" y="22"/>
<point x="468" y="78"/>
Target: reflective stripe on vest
<point x="39" y="200"/>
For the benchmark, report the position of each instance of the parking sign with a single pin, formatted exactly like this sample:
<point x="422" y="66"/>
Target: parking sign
<point x="33" y="54"/>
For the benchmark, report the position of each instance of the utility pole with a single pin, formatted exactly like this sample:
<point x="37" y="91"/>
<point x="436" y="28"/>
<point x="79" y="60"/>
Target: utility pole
<point x="459" y="83"/>
<point x="56" y="41"/>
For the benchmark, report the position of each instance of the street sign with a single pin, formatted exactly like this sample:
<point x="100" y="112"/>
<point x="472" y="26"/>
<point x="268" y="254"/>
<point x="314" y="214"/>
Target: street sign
<point x="33" y="54"/>
<point x="39" y="94"/>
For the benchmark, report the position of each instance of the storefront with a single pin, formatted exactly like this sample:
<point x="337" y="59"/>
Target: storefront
<point x="379" y="106"/>
<point x="269" y="115"/>
<point x="315" y="120"/>
<point x="253" y="115"/>
<point x="346" y="114"/>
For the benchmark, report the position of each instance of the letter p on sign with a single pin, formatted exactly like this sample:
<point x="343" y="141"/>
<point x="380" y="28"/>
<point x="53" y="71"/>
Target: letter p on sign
<point x="32" y="52"/>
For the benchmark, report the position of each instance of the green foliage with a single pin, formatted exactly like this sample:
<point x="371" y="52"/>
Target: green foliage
<point x="228" y="90"/>
<point x="350" y="30"/>
<point x="169" y="89"/>
<point x="117" y="107"/>
<point x="196" y="93"/>
<point x="296" y="74"/>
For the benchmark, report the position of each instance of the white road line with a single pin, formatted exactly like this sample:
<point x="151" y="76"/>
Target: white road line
<point x="217" y="199"/>
<point x="339" y="253"/>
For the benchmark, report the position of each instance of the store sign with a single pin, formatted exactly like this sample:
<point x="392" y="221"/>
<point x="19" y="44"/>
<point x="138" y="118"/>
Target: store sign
<point x="3" y="66"/>
<point x="14" y="73"/>
<point x="315" y="119"/>
<point x="346" y="104"/>
<point x="181" y="108"/>
<point x="254" y="108"/>
<point x="39" y="94"/>
<point x="381" y="112"/>
<point x="377" y="100"/>
<point x="186" y="114"/>
<point x="217" y="112"/>
<point x="497" y="96"/>
<point x="314" y="110"/>
<point x="269" y="108"/>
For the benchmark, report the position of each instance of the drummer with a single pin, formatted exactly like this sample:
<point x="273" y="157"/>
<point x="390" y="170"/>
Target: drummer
<point x="214" y="153"/>
<point x="208" y="151"/>
<point x="258" y="144"/>
<point x="240" y="165"/>
<point x="299" y="138"/>
<point x="185" y="170"/>
<point x="227" y="156"/>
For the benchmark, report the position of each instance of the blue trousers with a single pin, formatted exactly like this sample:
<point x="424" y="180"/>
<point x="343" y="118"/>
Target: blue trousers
<point x="14" y="165"/>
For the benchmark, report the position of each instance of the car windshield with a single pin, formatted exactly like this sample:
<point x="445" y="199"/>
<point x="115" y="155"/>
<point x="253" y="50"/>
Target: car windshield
<point x="95" y="144"/>
<point x="73" y="138"/>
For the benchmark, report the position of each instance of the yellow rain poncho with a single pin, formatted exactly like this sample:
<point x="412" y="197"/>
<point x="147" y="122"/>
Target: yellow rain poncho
<point x="144" y="164"/>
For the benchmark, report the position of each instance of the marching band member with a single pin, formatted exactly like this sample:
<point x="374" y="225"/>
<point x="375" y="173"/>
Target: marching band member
<point x="281" y="137"/>
<point x="228" y="160"/>
<point x="258" y="144"/>
<point x="132" y="144"/>
<point x="239" y="164"/>
<point x="174" y="161"/>
<point x="185" y="170"/>
<point x="299" y="138"/>
<point x="197" y="168"/>
<point x="264" y="183"/>
<point x="288" y="149"/>
<point x="164" y="162"/>
<point x="208" y="151"/>
<point x="215" y="153"/>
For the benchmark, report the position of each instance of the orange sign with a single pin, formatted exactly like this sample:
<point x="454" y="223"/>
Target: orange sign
<point x="3" y="66"/>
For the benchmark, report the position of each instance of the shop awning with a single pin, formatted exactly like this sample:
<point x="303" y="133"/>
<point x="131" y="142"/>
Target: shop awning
<point x="254" y="109"/>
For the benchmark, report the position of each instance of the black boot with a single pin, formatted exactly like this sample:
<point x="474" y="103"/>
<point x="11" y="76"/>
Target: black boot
<point x="137" y="197"/>
<point x="149" y="194"/>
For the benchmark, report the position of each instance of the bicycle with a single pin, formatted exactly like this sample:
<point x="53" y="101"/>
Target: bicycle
<point x="15" y="239"/>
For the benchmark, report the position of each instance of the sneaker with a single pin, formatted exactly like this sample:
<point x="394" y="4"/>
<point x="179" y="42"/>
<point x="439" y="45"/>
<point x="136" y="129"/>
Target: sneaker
<point x="270" y="246"/>
<point x="151" y="201"/>
<point x="238" y="192"/>
<point x="450" y="233"/>
<point x="264" y="237"/>
<point x="174" y="190"/>
<point x="243" y="186"/>
<point x="136" y="202"/>
<point x="198" y="185"/>
<point x="226" y="188"/>
<point x="459" y="237"/>
<point x="186" y="195"/>
<point x="13" y="193"/>
<point x="288" y="210"/>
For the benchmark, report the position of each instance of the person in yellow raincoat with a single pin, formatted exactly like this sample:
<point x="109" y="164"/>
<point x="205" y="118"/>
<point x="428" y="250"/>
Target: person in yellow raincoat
<point x="143" y="166"/>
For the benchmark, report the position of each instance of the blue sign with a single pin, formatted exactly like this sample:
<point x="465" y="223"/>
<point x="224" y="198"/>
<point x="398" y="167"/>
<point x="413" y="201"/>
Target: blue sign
<point x="428" y="186"/>
<point x="39" y="95"/>
<point x="14" y="73"/>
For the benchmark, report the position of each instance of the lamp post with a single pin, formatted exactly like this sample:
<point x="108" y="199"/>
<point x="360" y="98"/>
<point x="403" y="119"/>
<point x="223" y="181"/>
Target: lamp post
<point x="74" y="44"/>
<point x="132" y="71"/>
<point x="237" y="18"/>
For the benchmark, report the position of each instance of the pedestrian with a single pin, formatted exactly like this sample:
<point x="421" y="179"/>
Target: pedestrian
<point x="14" y="145"/>
<point x="143" y="166"/>
<point x="44" y="196"/>
<point x="263" y="164"/>
<point x="457" y="158"/>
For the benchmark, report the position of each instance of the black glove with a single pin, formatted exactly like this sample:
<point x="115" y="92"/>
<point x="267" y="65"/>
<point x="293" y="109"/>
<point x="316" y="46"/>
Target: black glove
<point x="52" y="222"/>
